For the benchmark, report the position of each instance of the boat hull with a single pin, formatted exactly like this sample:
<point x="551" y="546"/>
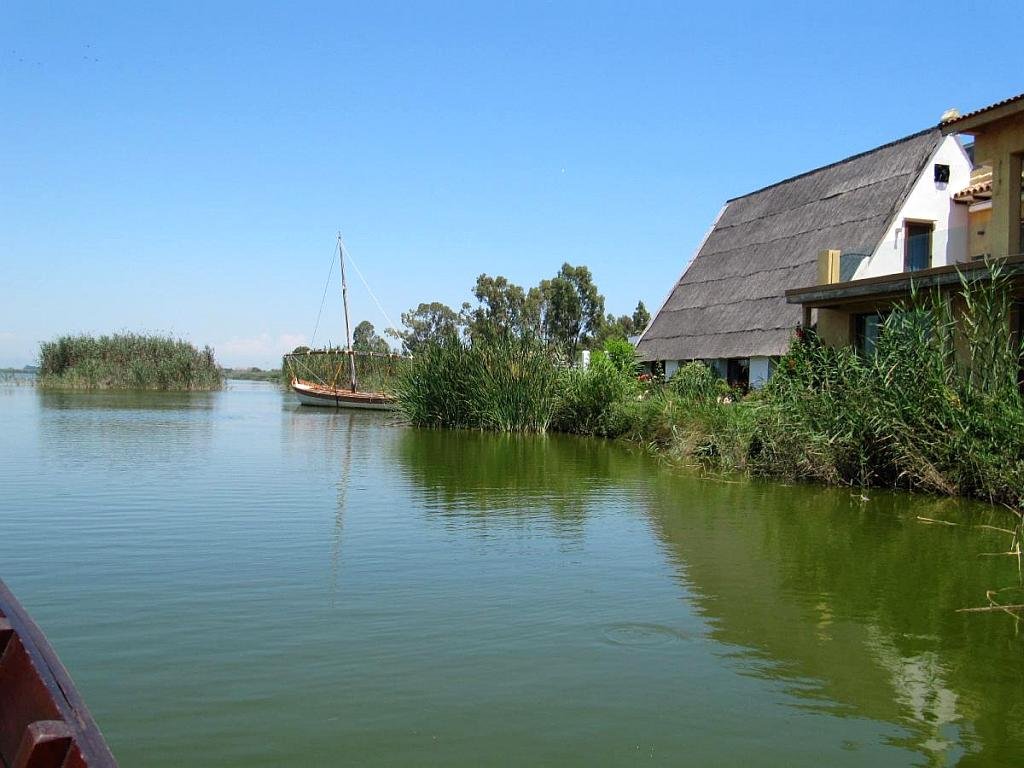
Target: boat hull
<point x="43" y="721"/>
<point x="331" y="397"/>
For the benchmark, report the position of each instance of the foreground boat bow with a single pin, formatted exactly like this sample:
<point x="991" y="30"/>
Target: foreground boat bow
<point x="43" y="721"/>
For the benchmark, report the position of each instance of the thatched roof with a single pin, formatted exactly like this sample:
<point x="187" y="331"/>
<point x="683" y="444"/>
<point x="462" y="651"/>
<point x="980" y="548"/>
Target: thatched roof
<point x="730" y="301"/>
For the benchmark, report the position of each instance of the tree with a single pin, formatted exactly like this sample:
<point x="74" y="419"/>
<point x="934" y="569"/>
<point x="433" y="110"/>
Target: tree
<point x="641" y="317"/>
<point x="612" y="328"/>
<point x="622" y="327"/>
<point x="571" y="308"/>
<point x="427" y="323"/>
<point x="501" y="310"/>
<point x="365" y="339"/>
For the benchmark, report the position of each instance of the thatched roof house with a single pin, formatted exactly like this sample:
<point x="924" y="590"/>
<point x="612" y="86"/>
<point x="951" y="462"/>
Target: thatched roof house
<point x="729" y="305"/>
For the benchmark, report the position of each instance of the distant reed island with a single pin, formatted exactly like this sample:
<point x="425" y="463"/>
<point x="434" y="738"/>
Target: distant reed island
<point x="127" y="361"/>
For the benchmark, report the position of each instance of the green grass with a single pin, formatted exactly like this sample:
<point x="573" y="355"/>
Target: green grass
<point x="127" y="361"/>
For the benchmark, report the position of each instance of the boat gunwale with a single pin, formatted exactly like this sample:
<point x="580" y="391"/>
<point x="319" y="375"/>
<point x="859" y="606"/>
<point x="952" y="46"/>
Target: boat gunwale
<point x="85" y="733"/>
<point x="341" y="398"/>
<point x="321" y="390"/>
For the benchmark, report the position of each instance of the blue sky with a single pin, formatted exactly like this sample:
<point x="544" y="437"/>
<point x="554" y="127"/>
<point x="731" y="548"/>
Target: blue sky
<point x="183" y="167"/>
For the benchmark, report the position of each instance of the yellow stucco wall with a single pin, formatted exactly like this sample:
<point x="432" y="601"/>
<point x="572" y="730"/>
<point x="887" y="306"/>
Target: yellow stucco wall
<point x="1001" y="145"/>
<point x="978" y="239"/>
<point x="834" y="327"/>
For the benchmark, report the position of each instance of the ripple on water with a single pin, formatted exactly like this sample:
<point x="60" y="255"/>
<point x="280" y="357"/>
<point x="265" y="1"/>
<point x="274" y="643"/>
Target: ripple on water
<point x="642" y="635"/>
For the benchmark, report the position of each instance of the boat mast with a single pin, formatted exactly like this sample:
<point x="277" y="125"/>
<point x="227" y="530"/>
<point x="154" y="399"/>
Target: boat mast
<point x="348" y="332"/>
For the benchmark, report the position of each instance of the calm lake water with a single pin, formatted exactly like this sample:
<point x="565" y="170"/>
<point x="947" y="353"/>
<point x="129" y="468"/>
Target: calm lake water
<point x="233" y="580"/>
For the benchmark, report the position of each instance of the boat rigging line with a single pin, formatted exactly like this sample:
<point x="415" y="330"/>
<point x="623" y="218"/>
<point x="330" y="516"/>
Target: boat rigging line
<point x="319" y="384"/>
<point x="323" y="299"/>
<point x="345" y="252"/>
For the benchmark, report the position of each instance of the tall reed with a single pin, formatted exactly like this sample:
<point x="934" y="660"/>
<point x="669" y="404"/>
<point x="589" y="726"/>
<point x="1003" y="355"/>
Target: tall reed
<point x="506" y="385"/>
<point x="936" y="406"/>
<point x="127" y="361"/>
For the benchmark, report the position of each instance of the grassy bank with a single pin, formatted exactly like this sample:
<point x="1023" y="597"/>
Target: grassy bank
<point x="936" y="406"/>
<point x="127" y="361"/>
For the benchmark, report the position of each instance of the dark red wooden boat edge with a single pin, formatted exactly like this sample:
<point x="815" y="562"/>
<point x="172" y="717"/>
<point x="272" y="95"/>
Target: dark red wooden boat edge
<point x="76" y="723"/>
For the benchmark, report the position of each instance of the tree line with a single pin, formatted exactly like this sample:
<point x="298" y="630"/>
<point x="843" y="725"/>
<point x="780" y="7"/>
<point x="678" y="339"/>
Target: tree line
<point x="565" y="312"/>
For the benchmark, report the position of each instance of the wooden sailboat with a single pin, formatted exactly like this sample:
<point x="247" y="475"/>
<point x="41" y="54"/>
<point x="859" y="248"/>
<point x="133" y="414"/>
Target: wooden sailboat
<point x="310" y="393"/>
<point x="331" y="395"/>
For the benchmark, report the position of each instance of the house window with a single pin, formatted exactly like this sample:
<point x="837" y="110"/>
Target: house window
<point x="737" y="372"/>
<point x="869" y="329"/>
<point x="918" y="249"/>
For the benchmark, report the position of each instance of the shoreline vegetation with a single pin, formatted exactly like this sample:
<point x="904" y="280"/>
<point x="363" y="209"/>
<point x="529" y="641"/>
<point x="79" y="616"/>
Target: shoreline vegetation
<point x="936" y="407"/>
<point x="253" y="374"/>
<point x="127" y="361"/>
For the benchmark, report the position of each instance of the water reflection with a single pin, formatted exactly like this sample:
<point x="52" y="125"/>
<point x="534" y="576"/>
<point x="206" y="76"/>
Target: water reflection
<point x="854" y="602"/>
<point x="110" y="428"/>
<point x="345" y="445"/>
<point x="445" y="598"/>
<point x="480" y="475"/>
<point x="851" y="604"/>
<point x="121" y="400"/>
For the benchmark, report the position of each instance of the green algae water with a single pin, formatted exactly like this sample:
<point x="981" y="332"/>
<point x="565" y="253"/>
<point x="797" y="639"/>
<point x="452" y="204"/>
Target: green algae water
<point x="233" y="580"/>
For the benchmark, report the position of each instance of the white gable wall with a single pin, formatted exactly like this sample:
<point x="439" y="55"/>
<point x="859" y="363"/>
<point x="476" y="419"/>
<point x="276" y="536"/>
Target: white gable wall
<point x="928" y="201"/>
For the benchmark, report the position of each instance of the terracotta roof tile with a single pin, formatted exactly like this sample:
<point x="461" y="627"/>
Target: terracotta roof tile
<point x="980" y="187"/>
<point x="998" y="104"/>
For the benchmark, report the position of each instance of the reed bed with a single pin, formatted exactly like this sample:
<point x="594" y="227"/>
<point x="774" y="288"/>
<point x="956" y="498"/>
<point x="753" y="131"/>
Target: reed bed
<point x="506" y="385"/>
<point x="17" y="379"/>
<point x="127" y="361"/>
<point x="937" y="407"/>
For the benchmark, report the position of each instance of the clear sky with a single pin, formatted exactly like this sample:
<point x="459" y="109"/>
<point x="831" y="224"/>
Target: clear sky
<point x="183" y="167"/>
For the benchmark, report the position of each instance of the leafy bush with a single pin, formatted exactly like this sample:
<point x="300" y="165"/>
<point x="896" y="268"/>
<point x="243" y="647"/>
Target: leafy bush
<point x="590" y="394"/>
<point x="622" y="355"/>
<point x="696" y="381"/>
